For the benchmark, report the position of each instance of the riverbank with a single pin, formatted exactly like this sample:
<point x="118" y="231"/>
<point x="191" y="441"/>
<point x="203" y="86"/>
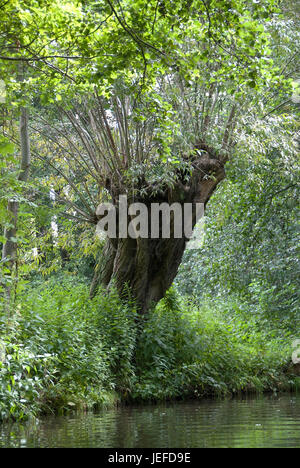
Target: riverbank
<point x="62" y="352"/>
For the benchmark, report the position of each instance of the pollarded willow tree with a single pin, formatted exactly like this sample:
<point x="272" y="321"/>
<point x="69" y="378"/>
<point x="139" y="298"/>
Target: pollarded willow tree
<point x="149" y="152"/>
<point x="158" y="92"/>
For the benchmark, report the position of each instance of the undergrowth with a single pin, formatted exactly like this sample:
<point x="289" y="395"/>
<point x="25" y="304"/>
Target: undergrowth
<point x="59" y="350"/>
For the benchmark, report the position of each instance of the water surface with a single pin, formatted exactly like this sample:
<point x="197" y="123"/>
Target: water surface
<point x="266" y="421"/>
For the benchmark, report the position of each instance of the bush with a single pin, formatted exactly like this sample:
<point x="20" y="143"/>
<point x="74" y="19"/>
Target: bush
<point x="195" y="351"/>
<point x="23" y="379"/>
<point x="81" y="350"/>
<point x="65" y="351"/>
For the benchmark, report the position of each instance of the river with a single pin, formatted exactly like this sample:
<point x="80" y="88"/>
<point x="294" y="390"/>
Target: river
<point x="265" y="421"/>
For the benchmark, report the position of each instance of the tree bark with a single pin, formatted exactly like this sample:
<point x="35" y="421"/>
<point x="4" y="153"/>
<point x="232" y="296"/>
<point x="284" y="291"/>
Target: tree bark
<point x="9" y="251"/>
<point x="146" y="268"/>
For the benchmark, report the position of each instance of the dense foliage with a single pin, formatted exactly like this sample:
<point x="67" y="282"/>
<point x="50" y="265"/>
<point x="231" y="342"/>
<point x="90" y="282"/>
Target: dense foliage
<point x="131" y="97"/>
<point x="252" y="232"/>
<point x="63" y="351"/>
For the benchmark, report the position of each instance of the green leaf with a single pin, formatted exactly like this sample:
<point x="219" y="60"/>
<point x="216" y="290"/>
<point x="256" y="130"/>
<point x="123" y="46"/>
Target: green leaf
<point x="6" y="148"/>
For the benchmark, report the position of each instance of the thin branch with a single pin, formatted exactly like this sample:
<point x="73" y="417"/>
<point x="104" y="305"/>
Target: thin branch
<point x="127" y="29"/>
<point x="276" y="108"/>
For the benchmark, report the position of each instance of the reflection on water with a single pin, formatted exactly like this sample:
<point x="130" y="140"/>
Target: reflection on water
<point x="250" y="422"/>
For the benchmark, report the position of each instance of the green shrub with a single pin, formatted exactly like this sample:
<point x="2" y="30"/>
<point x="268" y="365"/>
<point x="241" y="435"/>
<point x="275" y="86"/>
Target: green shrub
<point x="23" y="380"/>
<point x="85" y="349"/>
<point x="64" y="351"/>
<point x="188" y="350"/>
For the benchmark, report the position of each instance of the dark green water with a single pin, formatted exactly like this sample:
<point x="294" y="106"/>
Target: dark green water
<point x="251" y="422"/>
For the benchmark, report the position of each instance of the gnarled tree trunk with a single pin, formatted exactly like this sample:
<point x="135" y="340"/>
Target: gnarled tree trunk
<point x="148" y="266"/>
